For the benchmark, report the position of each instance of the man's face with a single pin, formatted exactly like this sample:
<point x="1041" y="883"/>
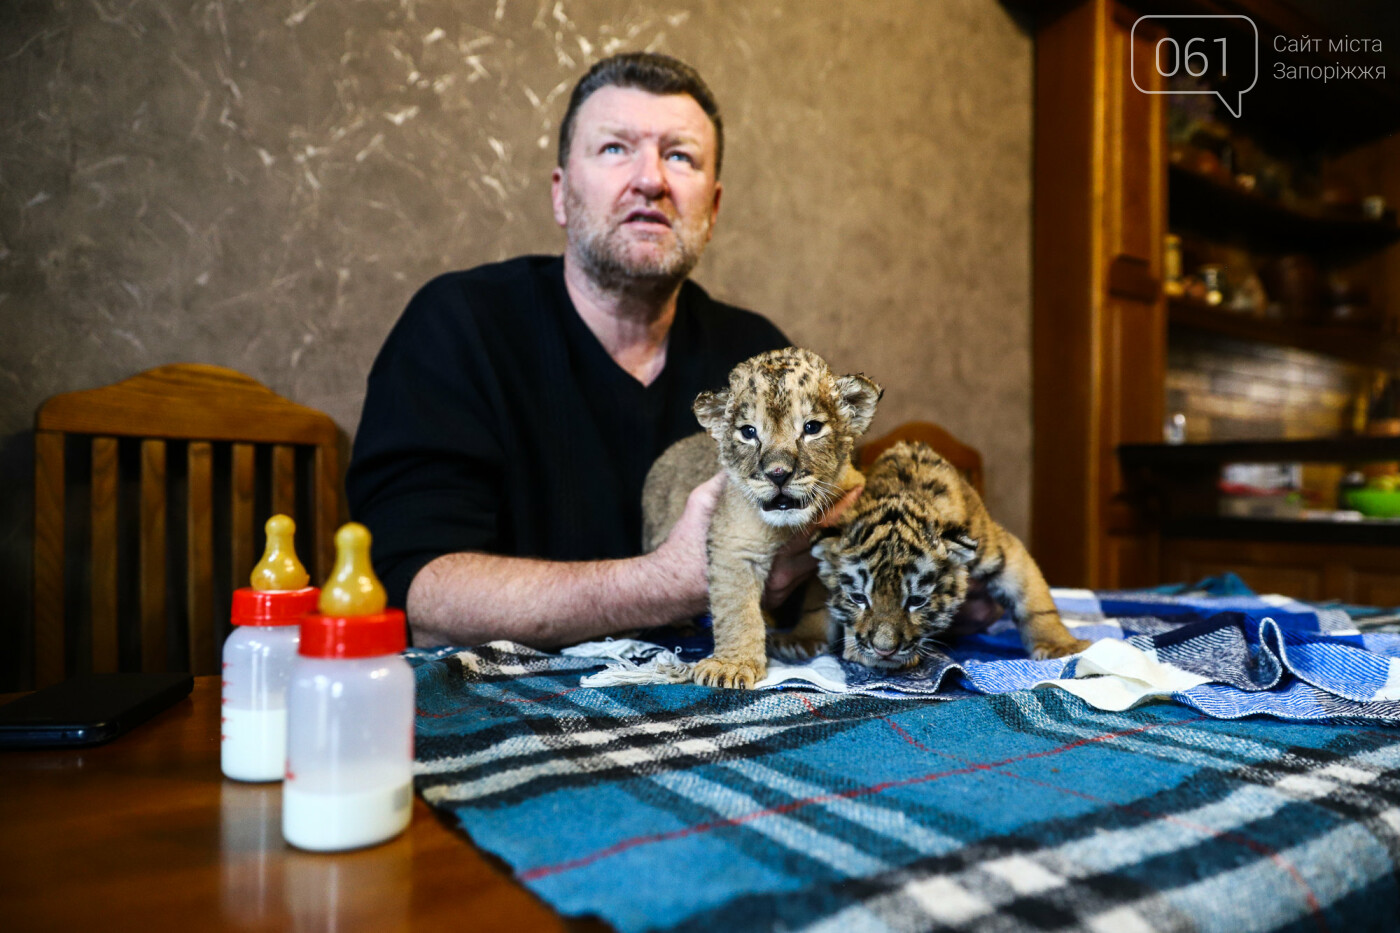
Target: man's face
<point x="638" y="196"/>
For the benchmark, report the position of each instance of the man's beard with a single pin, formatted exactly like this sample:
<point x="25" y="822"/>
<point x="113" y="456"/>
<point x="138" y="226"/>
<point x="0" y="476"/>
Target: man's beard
<point x="603" y="252"/>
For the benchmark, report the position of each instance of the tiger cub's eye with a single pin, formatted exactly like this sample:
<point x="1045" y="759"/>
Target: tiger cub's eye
<point x="812" y="427"/>
<point x="916" y="602"/>
<point x="858" y="598"/>
<point x="748" y="432"/>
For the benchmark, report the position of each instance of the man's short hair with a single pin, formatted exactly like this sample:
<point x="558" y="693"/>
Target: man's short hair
<point x="646" y="71"/>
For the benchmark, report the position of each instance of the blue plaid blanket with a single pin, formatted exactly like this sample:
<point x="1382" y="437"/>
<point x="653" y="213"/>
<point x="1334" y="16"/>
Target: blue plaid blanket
<point x="1215" y="646"/>
<point x="681" y="807"/>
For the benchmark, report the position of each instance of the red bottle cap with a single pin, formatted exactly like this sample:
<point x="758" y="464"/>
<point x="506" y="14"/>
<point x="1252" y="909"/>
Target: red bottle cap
<point x="273" y="607"/>
<point x="353" y="636"/>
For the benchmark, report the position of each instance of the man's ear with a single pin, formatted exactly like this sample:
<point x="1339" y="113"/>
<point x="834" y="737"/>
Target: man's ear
<point x="714" y="212"/>
<point x="709" y="409"/>
<point x="858" y="397"/>
<point x="556" y="196"/>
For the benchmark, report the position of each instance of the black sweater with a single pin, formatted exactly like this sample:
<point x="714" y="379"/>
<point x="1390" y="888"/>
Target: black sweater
<point x="495" y="421"/>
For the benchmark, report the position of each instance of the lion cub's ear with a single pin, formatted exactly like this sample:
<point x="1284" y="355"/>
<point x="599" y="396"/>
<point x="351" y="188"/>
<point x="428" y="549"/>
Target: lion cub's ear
<point x="709" y="409"/>
<point x="858" y="397"/>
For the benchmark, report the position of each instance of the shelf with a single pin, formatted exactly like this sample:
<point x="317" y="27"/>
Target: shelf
<point x="1217" y="209"/>
<point x="1372" y="532"/>
<point x="1355" y="345"/>
<point x="1176" y="488"/>
<point x="1318" y="450"/>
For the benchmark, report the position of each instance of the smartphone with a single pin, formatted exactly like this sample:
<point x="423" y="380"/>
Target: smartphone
<point x="88" y="709"/>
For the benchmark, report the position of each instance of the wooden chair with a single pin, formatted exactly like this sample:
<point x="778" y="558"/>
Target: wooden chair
<point x="144" y="458"/>
<point x="965" y="458"/>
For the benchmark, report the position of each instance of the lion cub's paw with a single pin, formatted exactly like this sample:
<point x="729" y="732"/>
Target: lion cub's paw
<point x="1059" y="648"/>
<point x="740" y="675"/>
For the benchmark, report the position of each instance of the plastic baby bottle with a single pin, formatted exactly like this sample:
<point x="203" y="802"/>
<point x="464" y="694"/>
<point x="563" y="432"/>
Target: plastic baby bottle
<point x="258" y="658"/>
<point x="349" y="780"/>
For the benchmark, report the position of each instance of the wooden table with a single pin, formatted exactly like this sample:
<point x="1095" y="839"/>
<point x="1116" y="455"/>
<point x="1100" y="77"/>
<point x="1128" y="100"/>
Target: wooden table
<point x="146" y="833"/>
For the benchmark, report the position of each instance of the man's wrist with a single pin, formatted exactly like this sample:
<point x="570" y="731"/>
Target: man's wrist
<point x="676" y="594"/>
<point x="469" y="598"/>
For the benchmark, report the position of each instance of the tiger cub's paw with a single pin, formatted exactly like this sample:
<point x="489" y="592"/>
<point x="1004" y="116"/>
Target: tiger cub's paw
<point x="790" y="647"/>
<point x="1059" y="647"/>
<point x="739" y="675"/>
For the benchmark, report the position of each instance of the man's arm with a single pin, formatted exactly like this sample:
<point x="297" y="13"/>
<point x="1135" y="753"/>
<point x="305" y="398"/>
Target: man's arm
<point x="470" y="598"/>
<point x="467" y="599"/>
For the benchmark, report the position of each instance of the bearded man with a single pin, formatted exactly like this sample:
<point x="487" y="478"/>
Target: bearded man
<point x="514" y="410"/>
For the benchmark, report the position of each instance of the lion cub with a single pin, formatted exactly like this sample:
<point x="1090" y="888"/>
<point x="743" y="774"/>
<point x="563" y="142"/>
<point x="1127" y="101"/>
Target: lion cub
<point x="899" y="562"/>
<point x="784" y="430"/>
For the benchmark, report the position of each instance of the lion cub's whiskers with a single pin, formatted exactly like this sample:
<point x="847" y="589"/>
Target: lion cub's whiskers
<point x="827" y="494"/>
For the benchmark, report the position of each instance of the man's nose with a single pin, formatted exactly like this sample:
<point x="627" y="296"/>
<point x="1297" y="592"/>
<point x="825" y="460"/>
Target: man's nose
<point x="649" y="179"/>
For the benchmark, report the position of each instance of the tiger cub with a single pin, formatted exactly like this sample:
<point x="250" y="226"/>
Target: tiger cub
<point x="898" y="565"/>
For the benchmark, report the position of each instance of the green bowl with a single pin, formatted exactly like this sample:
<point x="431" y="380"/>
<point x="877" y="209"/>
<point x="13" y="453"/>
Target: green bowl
<point x="1375" y="503"/>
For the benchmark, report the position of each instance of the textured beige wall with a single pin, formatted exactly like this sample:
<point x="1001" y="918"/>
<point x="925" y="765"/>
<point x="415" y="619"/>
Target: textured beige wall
<point x="263" y="184"/>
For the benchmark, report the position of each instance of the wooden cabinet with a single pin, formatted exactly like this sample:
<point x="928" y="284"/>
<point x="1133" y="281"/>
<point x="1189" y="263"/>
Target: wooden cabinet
<point x="1177" y="493"/>
<point x="1099" y="319"/>
<point x="1102" y="325"/>
<point x="1368" y="576"/>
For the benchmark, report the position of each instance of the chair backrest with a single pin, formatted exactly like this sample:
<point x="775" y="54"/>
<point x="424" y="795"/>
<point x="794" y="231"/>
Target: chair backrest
<point x="145" y="472"/>
<point x="965" y="458"/>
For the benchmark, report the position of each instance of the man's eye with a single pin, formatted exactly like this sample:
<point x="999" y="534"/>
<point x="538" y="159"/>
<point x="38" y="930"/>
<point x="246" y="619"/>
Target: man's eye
<point x="748" y="432"/>
<point x="812" y="427"/>
<point x="612" y="148"/>
<point x="682" y="156"/>
<point x="916" y="602"/>
<point x="859" y="599"/>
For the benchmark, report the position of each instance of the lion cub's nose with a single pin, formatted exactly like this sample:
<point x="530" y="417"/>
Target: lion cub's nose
<point x="779" y="475"/>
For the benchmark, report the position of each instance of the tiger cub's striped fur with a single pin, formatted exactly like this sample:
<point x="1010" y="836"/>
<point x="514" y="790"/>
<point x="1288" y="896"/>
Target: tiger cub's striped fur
<point x="899" y="564"/>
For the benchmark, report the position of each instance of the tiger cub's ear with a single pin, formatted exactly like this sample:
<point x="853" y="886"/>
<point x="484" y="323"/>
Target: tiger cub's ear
<point x="826" y="545"/>
<point x="709" y="410"/>
<point x="962" y="547"/>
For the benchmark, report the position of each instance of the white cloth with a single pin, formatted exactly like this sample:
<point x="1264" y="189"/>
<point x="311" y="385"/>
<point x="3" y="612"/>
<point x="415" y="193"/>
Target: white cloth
<point x="639" y="662"/>
<point x="1113" y="675"/>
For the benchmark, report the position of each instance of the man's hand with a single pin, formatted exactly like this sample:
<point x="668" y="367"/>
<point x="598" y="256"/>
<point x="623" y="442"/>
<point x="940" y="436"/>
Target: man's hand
<point x="468" y="598"/>
<point x="683" y="551"/>
<point x="794" y="564"/>
<point x="682" y="554"/>
<point x="977" y="612"/>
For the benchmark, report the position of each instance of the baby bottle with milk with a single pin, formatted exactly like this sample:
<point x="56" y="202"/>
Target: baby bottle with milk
<point x="258" y="658"/>
<point x="349" y="780"/>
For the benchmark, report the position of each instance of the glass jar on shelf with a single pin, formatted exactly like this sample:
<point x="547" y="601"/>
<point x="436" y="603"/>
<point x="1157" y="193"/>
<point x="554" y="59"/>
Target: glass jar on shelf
<point x="1213" y="277"/>
<point x="1172" y="284"/>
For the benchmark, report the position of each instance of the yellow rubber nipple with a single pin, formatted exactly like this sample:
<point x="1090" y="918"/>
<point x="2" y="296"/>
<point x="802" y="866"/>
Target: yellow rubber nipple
<point x="353" y="589"/>
<point x="279" y="568"/>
